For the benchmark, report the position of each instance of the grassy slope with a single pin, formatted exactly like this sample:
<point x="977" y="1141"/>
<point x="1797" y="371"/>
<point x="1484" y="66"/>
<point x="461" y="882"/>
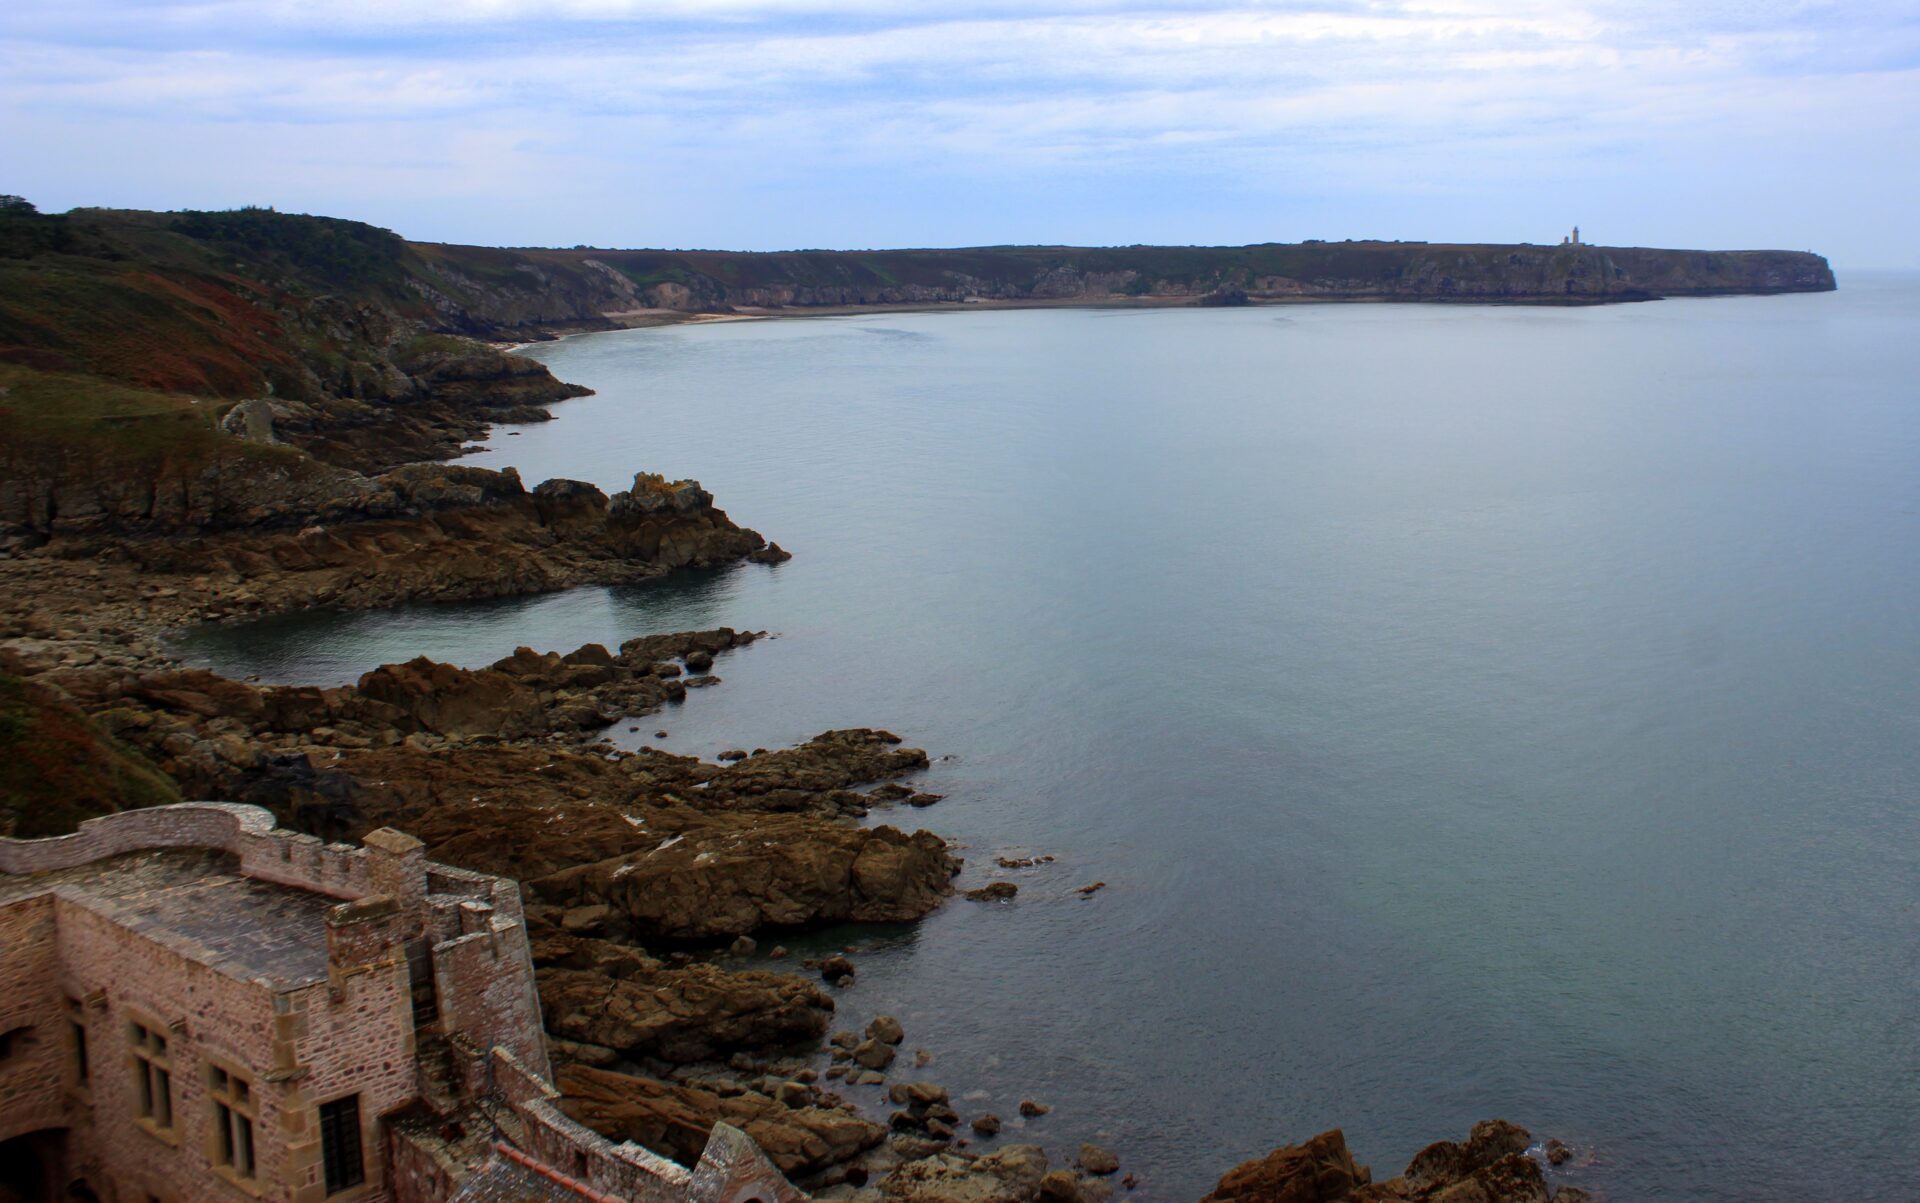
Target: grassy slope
<point x="58" y="767"/>
<point x="1349" y="268"/>
<point x="230" y="304"/>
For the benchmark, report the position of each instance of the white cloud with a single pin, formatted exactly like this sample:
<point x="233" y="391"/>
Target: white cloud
<point x="1373" y="97"/>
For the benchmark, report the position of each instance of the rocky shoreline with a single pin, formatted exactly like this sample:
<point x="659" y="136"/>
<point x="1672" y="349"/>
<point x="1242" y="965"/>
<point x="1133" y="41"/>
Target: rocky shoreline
<point x="650" y="878"/>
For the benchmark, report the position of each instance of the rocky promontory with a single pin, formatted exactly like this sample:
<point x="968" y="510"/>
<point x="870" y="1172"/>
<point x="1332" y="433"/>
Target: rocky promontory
<point x="1491" y="1166"/>
<point x="215" y="416"/>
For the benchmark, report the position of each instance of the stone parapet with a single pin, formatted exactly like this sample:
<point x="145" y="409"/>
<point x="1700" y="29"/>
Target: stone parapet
<point x="390" y="863"/>
<point x="732" y="1168"/>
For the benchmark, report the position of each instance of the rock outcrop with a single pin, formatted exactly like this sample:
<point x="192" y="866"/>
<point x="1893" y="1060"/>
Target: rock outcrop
<point x="1009" y="1175"/>
<point x="674" y="1119"/>
<point x="284" y="540"/>
<point x="1491" y="1166"/>
<point x="695" y="1012"/>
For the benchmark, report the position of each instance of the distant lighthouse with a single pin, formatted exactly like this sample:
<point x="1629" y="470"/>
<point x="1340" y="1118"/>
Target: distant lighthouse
<point x="1572" y="239"/>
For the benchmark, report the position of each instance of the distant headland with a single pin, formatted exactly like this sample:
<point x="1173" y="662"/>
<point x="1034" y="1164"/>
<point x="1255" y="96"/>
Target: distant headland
<point x="517" y="293"/>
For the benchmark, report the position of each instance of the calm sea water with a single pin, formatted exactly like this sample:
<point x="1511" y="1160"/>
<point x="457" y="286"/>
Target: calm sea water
<point x="1472" y="711"/>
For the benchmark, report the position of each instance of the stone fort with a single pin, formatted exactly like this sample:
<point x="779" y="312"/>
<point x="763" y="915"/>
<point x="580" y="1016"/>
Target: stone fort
<point x="197" y="1006"/>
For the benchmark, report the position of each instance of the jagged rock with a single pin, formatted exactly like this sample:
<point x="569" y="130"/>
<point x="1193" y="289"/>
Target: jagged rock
<point x="251" y="420"/>
<point x="675" y="1120"/>
<point x="581" y="920"/>
<point x="1514" y="1178"/>
<point x="1011" y="1175"/>
<point x="872" y="1054"/>
<point x="997" y="891"/>
<point x="886" y="1029"/>
<point x="1031" y="1109"/>
<point x="1491" y="1167"/>
<point x="987" y="1124"/>
<point x="445" y="700"/>
<point x="1064" y="1186"/>
<point x="919" y="1095"/>
<point x="1319" y="1171"/>
<point x="1444" y="1162"/>
<point x="835" y="966"/>
<point x="793" y="1094"/>
<point x="568" y="1051"/>
<point x="681" y="1014"/>
<point x="1096" y="1160"/>
<point x="796" y="872"/>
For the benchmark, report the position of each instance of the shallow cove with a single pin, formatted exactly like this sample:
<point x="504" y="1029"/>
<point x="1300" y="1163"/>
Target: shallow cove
<point x="1473" y="711"/>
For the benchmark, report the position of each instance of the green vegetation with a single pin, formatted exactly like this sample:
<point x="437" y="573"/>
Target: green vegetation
<point x="130" y="448"/>
<point x="331" y="251"/>
<point x="58" y="767"/>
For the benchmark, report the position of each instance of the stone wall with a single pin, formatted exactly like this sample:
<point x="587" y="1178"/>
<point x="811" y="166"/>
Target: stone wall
<point x="35" y="1063"/>
<point x="298" y="1045"/>
<point x="485" y="983"/>
<point x="732" y="1168"/>
<point x="209" y="1020"/>
<point x="265" y="852"/>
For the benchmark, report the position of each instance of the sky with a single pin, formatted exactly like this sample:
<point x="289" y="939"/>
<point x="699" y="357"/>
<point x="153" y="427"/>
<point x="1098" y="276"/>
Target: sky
<point x="773" y="124"/>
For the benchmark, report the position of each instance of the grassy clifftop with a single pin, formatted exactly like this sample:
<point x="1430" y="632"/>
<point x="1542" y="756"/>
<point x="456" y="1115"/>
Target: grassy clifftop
<point x="1273" y="271"/>
<point x="125" y="337"/>
<point x="58" y="767"/>
<point x="251" y="301"/>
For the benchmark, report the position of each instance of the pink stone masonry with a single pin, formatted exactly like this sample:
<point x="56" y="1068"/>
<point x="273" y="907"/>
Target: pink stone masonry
<point x="194" y="1005"/>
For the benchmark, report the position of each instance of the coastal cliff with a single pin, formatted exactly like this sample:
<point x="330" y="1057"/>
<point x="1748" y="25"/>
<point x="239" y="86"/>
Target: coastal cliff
<point x="1344" y="271"/>
<point x="209" y="416"/>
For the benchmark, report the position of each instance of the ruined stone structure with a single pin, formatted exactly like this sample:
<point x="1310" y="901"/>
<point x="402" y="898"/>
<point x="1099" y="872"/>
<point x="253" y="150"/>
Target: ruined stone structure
<point x="197" y="1006"/>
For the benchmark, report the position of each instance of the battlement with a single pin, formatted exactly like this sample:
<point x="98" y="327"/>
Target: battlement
<point x="732" y="1168"/>
<point x="201" y="940"/>
<point x="388" y="863"/>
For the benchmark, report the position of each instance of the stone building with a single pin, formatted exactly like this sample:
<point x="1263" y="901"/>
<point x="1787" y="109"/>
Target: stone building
<point x="195" y="1006"/>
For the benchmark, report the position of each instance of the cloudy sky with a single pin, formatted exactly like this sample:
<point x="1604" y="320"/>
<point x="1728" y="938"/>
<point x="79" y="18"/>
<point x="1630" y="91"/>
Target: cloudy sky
<point x="780" y="123"/>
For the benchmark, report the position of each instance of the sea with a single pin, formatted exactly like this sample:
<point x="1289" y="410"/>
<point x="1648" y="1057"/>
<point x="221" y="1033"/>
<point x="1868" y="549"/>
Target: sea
<point x="1472" y="711"/>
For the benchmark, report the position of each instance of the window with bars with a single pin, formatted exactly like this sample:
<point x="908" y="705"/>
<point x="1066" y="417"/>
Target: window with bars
<point x="232" y="1097"/>
<point x="340" y="1144"/>
<point x="152" y="1074"/>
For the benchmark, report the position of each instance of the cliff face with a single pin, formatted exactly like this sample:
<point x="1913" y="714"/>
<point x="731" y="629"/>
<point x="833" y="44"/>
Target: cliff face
<point x="246" y="395"/>
<point x="327" y="318"/>
<point x="348" y="319"/>
<point x="601" y="286"/>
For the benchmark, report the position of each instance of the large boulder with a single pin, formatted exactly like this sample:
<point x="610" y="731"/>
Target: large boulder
<point x="792" y="871"/>
<point x="682" y="1014"/>
<point x="1318" y="1171"/>
<point x="445" y="700"/>
<point x="1011" y="1175"/>
<point x="1490" y="1166"/>
<point x="674" y="1119"/>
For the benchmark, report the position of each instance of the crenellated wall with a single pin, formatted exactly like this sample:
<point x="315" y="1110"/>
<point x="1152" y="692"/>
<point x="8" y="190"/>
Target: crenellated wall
<point x="306" y="1040"/>
<point x="732" y="1168"/>
<point x="265" y="852"/>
